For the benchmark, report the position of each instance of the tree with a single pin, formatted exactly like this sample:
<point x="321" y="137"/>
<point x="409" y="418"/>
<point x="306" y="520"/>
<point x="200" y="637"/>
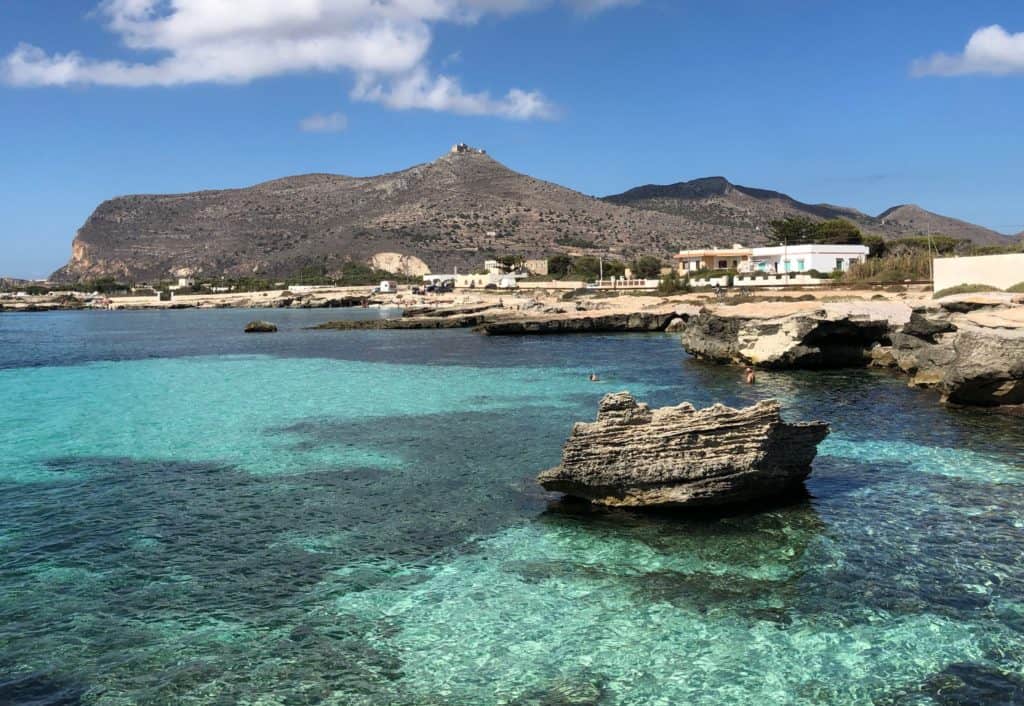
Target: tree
<point x="647" y="267"/>
<point x="589" y="267"/>
<point x="838" y="231"/>
<point x="800" y="230"/>
<point x="793" y="230"/>
<point x="559" y="265"/>
<point x="876" y="245"/>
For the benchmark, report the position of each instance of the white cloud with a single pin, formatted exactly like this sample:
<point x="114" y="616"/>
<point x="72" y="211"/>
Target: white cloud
<point x="330" y="122"/>
<point x="419" y="89"/>
<point x="990" y="50"/>
<point x="237" y="41"/>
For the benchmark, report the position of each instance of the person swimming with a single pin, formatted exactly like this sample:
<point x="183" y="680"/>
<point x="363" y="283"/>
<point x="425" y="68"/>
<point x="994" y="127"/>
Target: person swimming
<point x="751" y="378"/>
<point x="594" y="378"/>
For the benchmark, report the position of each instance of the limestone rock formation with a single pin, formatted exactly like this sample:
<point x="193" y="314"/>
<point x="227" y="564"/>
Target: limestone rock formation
<point x="399" y="264"/>
<point x="260" y="327"/>
<point x="971" y="351"/>
<point x="974" y="358"/>
<point x="813" y="338"/>
<point x="604" y="323"/>
<point x="679" y="457"/>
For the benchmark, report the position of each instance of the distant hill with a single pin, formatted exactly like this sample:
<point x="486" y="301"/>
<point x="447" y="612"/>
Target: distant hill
<point x="912" y="220"/>
<point x="750" y="211"/>
<point x="452" y="212"/>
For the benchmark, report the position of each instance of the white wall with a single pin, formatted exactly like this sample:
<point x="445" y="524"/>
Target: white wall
<point x="1000" y="271"/>
<point x="822" y="258"/>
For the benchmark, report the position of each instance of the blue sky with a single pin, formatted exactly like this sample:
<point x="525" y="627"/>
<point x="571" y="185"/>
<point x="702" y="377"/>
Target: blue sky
<point x="867" y="104"/>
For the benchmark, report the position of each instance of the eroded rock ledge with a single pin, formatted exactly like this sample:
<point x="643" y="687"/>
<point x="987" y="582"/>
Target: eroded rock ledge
<point x="974" y="358"/>
<point x="971" y="351"/>
<point x="813" y="338"/>
<point x="682" y="457"/>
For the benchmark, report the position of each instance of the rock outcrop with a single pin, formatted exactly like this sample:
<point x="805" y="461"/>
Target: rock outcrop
<point x="974" y="358"/>
<point x="681" y="457"/>
<point x="812" y="338"/>
<point x="260" y="327"/>
<point x="970" y="350"/>
<point x="604" y="323"/>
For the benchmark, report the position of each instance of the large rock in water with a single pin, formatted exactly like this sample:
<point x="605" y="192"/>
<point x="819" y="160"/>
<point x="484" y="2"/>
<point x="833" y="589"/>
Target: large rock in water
<point x="633" y="456"/>
<point x="260" y="327"/>
<point x="974" y="358"/>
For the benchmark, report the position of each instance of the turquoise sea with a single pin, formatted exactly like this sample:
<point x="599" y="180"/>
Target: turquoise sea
<point x="189" y="515"/>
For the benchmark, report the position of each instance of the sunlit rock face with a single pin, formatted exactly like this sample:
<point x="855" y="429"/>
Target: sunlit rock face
<point x="677" y="457"/>
<point x="802" y="339"/>
<point x="972" y="357"/>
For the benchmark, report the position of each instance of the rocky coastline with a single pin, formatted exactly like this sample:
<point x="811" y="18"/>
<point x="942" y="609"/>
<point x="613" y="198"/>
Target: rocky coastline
<point x="970" y="349"/>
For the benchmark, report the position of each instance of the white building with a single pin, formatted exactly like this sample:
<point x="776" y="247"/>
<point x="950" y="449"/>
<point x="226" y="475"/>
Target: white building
<point x="824" y="258"/>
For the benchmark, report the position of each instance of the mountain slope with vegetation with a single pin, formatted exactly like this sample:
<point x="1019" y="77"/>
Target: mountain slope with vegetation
<point x="455" y="211"/>
<point x="452" y="212"/>
<point x="750" y="212"/>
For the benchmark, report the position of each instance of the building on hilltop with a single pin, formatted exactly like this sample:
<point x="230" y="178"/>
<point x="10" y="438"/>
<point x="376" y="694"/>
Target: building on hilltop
<point x="463" y="148"/>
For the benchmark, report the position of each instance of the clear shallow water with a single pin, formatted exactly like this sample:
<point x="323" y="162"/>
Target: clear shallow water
<point x="191" y="515"/>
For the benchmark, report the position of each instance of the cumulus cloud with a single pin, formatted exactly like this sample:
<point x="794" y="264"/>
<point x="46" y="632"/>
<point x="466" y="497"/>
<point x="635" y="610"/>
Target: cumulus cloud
<point x="419" y="89"/>
<point x="330" y="122"/>
<point x="990" y="50"/>
<point x="236" y="41"/>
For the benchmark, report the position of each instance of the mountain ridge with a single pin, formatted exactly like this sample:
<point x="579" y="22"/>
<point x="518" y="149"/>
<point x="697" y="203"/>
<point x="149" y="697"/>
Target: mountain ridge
<point x="756" y="208"/>
<point x="454" y="211"/>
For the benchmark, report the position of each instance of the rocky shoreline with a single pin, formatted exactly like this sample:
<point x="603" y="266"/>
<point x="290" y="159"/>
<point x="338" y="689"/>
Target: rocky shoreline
<point x="970" y="349"/>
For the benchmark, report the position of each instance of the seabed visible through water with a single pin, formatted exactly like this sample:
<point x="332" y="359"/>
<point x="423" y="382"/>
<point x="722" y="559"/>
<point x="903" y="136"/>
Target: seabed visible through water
<point x="193" y="516"/>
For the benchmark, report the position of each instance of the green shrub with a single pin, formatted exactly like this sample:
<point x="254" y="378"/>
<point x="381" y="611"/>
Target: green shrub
<point x="672" y="283"/>
<point x="963" y="289"/>
<point x="912" y="265"/>
<point x="1017" y="288"/>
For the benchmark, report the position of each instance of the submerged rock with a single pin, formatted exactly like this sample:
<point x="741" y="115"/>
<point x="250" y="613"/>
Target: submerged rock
<point x="633" y="456"/>
<point x="260" y="327"/>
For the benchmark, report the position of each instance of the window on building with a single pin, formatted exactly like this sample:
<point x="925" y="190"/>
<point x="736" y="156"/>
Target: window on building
<point x="762" y="266"/>
<point x="800" y="265"/>
<point x="839" y="263"/>
<point x="788" y="265"/>
<point x="722" y="264"/>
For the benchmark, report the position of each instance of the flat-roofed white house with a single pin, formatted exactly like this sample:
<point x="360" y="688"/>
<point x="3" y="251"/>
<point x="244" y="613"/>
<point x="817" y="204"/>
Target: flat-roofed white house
<point x="779" y="259"/>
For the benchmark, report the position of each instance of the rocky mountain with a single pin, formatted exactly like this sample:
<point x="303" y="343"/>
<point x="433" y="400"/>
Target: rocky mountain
<point x="749" y="211"/>
<point x="913" y="220"/>
<point x="453" y="212"/>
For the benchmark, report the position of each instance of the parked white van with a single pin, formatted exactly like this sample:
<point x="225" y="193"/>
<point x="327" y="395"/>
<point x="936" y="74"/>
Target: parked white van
<point x="387" y="286"/>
